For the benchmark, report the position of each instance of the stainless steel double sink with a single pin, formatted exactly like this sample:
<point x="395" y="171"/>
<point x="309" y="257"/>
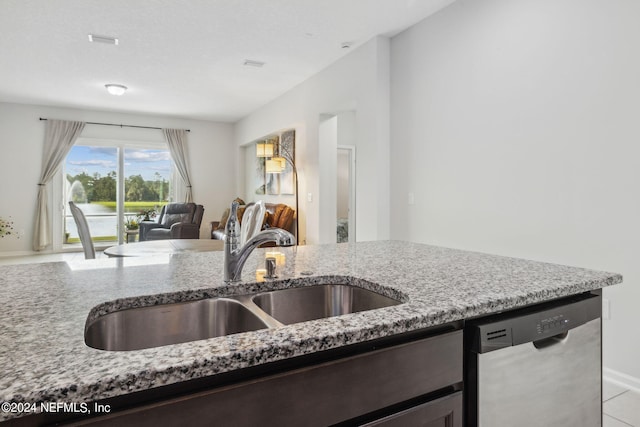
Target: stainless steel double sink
<point x="154" y="326"/>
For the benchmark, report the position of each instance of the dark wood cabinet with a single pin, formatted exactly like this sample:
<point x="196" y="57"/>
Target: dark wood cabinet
<point x="443" y="412"/>
<point x="368" y="388"/>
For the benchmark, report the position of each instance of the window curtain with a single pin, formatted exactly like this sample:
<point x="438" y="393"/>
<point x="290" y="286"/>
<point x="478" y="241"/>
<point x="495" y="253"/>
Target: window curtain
<point x="177" y="141"/>
<point x="59" y="137"/>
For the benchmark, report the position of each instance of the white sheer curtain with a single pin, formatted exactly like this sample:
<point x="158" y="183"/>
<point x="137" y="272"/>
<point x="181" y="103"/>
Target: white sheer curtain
<point x="59" y="137"/>
<point x="177" y="141"/>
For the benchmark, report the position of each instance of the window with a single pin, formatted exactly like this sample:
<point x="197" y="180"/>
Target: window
<point x="113" y="182"/>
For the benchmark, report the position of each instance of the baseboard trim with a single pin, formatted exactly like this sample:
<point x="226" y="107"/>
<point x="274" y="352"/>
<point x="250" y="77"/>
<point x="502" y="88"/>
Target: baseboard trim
<point x="623" y="380"/>
<point x="67" y="249"/>
<point x="7" y="254"/>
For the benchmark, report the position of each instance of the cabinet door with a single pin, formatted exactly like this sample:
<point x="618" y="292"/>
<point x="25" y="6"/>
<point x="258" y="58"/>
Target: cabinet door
<point x="317" y="395"/>
<point x="443" y="412"/>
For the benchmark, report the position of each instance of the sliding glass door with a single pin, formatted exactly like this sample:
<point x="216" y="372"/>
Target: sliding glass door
<point x="112" y="184"/>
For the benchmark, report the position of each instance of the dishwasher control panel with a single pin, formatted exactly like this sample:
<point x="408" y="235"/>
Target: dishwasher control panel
<point x="532" y="323"/>
<point x="558" y="323"/>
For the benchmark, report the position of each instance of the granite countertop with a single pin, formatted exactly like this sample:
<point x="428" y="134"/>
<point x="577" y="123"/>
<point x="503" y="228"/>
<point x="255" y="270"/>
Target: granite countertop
<point x="44" y="308"/>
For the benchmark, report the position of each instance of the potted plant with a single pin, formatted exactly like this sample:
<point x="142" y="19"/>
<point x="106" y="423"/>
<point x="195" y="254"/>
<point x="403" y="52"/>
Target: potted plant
<point x="131" y="223"/>
<point x="146" y="214"/>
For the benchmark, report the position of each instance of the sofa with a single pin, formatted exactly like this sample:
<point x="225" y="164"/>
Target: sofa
<point x="277" y="215"/>
<point x="176" y="221"/>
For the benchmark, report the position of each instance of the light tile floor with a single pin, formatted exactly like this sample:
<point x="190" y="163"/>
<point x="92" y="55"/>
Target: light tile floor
<point x="30" y="259"/>
<point x="621" y="407"/>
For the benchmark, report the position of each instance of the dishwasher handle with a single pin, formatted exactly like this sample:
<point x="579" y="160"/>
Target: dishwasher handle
<point x="550" y="341"/>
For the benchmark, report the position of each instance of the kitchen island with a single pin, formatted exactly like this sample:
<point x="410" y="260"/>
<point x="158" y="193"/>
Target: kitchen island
<point x="43" y="356"/>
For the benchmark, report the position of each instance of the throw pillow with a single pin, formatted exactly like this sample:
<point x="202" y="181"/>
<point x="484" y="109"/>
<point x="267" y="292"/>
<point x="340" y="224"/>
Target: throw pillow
<point x="223" y="220"/>
<point x="241" y="213"/>
<point x="286" y="218"/>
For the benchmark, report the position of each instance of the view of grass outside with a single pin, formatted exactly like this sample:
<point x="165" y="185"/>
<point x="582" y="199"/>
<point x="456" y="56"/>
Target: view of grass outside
<point x="92" y="182"/>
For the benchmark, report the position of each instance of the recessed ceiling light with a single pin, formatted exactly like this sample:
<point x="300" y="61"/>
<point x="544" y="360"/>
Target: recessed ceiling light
<point x="115" y="89"/>
<point x="103" y="39"/>
<point x="252" y="63"/>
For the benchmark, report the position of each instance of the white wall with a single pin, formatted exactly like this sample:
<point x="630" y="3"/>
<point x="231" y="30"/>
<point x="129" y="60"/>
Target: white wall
<point x="327" y="194"/>
<point x="357" y="82"/>
<point x="515" y="125"/>
<point x="21" y="140"/>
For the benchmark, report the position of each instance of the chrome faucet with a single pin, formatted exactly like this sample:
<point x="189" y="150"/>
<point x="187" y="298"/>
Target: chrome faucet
<point x="235" y="256"/>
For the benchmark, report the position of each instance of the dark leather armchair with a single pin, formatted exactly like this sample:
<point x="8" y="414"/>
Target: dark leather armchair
<point x="176" y="221"/>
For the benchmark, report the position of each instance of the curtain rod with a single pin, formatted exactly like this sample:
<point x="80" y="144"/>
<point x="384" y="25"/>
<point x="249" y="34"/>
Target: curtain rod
<point x="122" y="126"/>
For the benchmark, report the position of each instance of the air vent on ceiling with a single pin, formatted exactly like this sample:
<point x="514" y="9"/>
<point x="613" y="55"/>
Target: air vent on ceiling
<point x="102" y="39"/>
<point x="252" y="63"/>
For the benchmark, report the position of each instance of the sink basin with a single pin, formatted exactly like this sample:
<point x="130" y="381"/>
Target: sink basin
<point x="158" y="325"/>
<point x="154" y="326"/>
<point x="315" y="302"/>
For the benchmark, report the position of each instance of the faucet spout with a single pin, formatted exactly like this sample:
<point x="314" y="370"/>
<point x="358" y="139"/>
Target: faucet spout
<point x="236" y="256"/>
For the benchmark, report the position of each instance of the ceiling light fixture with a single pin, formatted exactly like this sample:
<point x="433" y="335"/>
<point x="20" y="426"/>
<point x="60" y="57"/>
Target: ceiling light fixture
<point x="252" y="63"/>
<point x="115" y="89"/>
<point x="93" y="38"/>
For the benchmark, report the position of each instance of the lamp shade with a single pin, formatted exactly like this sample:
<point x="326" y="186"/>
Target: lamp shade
<point x="264" y="149"/>
<point x="275" y="165"/>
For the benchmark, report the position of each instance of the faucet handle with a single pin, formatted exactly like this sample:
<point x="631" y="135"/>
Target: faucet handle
<point x="270" y="266"/>
<point x="232" y="228"/>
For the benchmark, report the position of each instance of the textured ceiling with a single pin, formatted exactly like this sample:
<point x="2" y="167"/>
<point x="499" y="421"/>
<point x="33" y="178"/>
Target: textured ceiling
<point x="182" y="58"/>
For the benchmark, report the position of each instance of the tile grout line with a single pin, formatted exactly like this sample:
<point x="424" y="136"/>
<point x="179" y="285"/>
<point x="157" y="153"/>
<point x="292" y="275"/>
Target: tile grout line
<point x="619" y="420"/>
<point x="617" y="395"/>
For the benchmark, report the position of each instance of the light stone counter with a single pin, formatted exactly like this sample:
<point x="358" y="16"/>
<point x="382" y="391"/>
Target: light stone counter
<point x="44" y="307"/>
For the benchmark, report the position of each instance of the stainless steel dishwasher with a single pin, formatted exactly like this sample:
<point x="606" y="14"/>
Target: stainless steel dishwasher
<point x="538" y="366"/>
